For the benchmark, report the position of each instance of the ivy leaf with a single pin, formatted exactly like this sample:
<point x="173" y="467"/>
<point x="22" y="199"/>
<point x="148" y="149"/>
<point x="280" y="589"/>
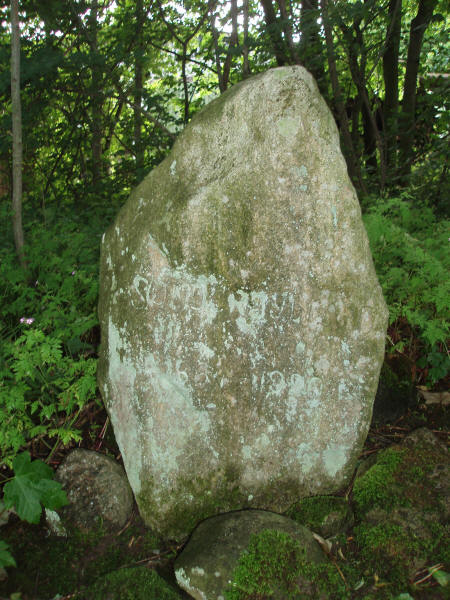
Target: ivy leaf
<point x="32" y="486"/>
<point x="441" y="576"/>
<point x="6" y="559"/>
<point x="52" y="495"/>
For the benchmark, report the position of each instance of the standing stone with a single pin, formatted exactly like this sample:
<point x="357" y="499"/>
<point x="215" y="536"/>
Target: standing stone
<point x="242" y="321"/>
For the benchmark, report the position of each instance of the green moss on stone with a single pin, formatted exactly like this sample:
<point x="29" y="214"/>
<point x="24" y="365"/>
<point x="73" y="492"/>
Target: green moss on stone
<point x="199" y="498"/>
<point x="274" y="566"/>
<point x="376" y="487"/>
<point x="388" y="551"/>
<point x="326" y="515"/>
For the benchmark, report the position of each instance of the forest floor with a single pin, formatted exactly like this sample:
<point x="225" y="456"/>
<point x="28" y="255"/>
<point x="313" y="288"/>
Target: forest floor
<point x="50" y="568"/>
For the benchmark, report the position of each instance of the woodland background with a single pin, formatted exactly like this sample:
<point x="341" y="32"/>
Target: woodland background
<point x="95" y="99"/>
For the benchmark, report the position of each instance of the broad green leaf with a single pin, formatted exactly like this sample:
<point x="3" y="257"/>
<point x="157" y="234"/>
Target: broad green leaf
<point x="32" y="486"/>
<point x="37" y="469"/>
<point x="21" y="494"/>
<point x="52" y="495"/>
<point x="441" y="577"/>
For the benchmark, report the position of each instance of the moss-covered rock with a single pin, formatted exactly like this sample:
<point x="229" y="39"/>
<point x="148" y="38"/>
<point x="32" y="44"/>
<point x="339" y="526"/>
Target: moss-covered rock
<point x="138" y="583"/>
<point x="205" y="566"/>
<point x="402" y="502"/>
<point x="274" y="566"/>
<point x="98" y="492"/>
<point x="325" y="515"/>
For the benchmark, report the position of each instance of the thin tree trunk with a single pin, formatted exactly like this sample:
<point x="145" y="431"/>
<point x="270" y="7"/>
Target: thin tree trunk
<point x="348" y="149"/>
<point x="245" y="49"/>
<point x="408" y="118"/>
<point x="355" y="47"/>
<point x="311" y="50"/>
<point x="138" y="87"/>
<point x="390" y="76"/>
<point x="17" y="159"/>
<point x="96" y="97"/>
<point x="215" y="36"/>
<point x="232" y="44"/>
<point x="287" y="29"/>
<point x="273" y="30"/>
<point x="185" y="82"/>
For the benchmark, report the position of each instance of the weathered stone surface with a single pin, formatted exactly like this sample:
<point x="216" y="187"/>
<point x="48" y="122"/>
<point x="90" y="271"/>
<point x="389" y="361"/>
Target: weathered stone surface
<point x="242" y="322"/>
<point x="205" y="567"/>
<point x="97" y="490"/>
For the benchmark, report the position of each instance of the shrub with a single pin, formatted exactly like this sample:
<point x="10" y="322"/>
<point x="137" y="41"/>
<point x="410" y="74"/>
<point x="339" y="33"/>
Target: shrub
<point x="410" y="250"/>
<point x="48" y="332"/>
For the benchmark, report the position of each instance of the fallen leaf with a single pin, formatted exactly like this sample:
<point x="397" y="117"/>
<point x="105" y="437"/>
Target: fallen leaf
<point x="442" y="398"/>
<point x="326" y="545"/>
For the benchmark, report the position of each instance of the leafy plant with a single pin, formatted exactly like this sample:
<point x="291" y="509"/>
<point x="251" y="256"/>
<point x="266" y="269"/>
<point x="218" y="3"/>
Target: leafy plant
<point x="31" y="488"/>
<point x="6" y="558"/>
<point x="410" y="250"/>
<point x="48" y="327"/>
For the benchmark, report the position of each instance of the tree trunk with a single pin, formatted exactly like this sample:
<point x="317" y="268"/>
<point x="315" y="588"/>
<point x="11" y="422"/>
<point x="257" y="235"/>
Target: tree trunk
<point x="408" y="118"/>
<point x="245" y="49"/>
<point x="390" y="76"/>
<point x="311" y="50"/>
<point x="16" y="134"/>
<point x="348" y="149"/>
<point x="232" y="44"/>
<point x="185" y="83"/>
<point x="274" y="32"/>
<point x="215" y="36"/>
<point x="96" y="97"/>
<point x="138" y="87"/>
<point x="355" y="49"/>
<point x="287" y="29"/>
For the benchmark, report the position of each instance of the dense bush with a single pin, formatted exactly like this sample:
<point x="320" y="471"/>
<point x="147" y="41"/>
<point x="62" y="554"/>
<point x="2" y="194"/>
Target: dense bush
<point x="412" y="259"/>
<point x="48" y="333"/>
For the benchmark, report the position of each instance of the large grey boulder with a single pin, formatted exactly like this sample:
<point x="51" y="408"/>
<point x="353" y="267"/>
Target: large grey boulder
<point x="242" y="321"/>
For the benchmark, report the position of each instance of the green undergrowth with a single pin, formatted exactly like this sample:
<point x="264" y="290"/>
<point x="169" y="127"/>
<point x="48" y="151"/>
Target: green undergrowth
<point x="410" y="250"/>
<point x="48" y="332"/>
<point x="68" y="565"/>
<point x="138" y="583"/>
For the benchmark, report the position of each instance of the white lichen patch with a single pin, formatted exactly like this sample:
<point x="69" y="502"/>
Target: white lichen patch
<point x="334" y="458"/>
<point x="288" y="127"/>
<point x="54" y="523"/>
